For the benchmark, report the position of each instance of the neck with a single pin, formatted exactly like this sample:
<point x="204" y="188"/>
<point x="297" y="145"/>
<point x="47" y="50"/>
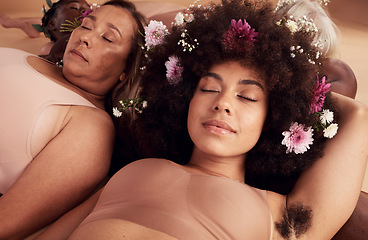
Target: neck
<point x="54" y="73"/>
<point x="229" y="167"/>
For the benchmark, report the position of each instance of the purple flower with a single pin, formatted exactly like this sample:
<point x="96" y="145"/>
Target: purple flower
<point x="298" y="138"/>
<point x="155" y="33"/>
<point x="173" y="70"/>
<point x="239" y="36"/>
<point x="319" y="95"/>
<point x="85" y="14"/>
<point x="244" y="30"/>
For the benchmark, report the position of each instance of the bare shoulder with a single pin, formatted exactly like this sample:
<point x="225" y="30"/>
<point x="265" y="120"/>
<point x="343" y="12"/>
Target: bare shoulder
<point x="341" y="76"/>
<point x="83" y="122"/>
<point x="90" y="116"/>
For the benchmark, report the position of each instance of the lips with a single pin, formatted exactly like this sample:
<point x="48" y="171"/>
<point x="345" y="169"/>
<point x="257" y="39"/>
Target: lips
<point x="78" y="54"/>
<point x="218" y="126"/>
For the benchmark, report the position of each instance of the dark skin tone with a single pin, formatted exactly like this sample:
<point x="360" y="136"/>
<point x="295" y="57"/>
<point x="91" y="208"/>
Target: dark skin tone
<point x="69" y="10"/>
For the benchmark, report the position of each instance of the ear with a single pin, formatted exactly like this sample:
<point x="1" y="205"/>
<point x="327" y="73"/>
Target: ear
<point x="51" y="25"/>
<point x="122" y="77"/>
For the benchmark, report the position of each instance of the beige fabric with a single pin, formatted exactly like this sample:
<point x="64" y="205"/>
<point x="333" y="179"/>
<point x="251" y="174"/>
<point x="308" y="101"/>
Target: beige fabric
<point x="161" y="195"/>
<point x="25" y="94"/>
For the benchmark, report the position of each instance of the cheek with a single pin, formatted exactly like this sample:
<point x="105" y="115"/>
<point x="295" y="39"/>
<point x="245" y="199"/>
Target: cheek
<point x="192" y="118"/>
<point x="253" y="122"/>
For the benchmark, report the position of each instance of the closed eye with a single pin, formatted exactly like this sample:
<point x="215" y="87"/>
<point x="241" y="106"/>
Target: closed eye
<point x="209" y="90"/>
<point x="107" y="39"/>
<point x="247" y="98"/>
<point x="84" y="27"/>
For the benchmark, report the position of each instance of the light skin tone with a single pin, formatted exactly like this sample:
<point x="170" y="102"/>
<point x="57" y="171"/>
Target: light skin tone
<point x="69" y="168"/>
<point x="225" y="118"/>
<point x="106" y="42"/>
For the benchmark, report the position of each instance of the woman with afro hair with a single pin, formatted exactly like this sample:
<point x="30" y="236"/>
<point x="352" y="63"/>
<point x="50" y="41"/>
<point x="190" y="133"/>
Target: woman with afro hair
<point x="232" y="89"/>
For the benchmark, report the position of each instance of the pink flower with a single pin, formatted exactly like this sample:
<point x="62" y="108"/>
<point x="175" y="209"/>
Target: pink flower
<point x="319" y="95"/>
<point x="85" y="14"/>
<point x="155" y="33"/>
<point x="298" y="138"/>
<point x="173" y="70"/>
<point x="239" y="36"/>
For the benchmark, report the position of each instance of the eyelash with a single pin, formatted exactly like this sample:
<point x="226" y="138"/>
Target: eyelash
<point x="207" y="90"/>
<point x="240" y="96"/>
<point x="105" y="38"/>
<point x="247" y="98"/>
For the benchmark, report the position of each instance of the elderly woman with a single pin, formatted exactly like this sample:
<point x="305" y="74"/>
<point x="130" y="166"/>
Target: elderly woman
<point x="56" y="138"/>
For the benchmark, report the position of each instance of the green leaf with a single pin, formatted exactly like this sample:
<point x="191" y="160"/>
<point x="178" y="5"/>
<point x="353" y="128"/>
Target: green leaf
<point x="49" y="3"/>
<point x="38" y="27"/>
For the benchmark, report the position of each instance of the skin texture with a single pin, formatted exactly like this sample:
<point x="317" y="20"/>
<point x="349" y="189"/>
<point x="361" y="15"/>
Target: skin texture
<point x="235" y="112"/>
<point x="341" y="77"/>
<point x="97" y="45"/>
<point x="69" y="10"/>
<point x="64" y="180"/>
<point x="225" y="102"/>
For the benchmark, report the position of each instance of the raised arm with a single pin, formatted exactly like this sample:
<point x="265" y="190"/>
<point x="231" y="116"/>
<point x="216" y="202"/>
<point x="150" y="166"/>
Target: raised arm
<point x="63" y="174"/>
<point x="331" y="187"/>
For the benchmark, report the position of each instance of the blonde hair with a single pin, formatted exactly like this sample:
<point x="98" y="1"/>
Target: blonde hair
<point x="328" y="33"/>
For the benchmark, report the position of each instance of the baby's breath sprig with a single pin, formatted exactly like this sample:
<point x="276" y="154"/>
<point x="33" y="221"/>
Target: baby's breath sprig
<point x="138" y="103"/>
<point x="194" y="4"/>
<point x="324" y="2"/>
<point x="187" y="42"/>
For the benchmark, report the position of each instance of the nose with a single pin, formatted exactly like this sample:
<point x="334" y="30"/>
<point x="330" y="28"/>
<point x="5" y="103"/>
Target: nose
<point x="223" y="104"/>
<point x="86" y="38"/>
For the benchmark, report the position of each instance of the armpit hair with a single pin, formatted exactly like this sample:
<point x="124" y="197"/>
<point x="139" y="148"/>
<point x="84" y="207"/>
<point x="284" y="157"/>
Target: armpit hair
<point x="296" y="220"/>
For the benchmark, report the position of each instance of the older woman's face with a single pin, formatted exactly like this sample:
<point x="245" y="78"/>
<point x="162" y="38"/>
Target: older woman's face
<point x="96" y="54"/>
<point x="228" y="110"/>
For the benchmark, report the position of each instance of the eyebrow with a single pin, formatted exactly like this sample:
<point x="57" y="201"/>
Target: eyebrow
<point x="110" y="25"/>
<point x="242" y="81"/>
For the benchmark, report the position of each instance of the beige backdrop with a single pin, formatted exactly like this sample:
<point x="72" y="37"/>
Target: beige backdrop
<point x="351" y="17"/>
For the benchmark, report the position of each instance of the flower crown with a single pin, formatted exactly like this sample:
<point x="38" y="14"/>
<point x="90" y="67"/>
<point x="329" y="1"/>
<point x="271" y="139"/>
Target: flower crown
<point x="137" y="102"/>
<point x="239" y="37"/>
<point x="305" y="26"/>
<point x="299" y="137"/>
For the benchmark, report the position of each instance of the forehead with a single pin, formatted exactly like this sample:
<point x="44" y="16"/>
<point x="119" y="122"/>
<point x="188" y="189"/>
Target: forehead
<point x="234" y="68"/>
<point x="117" y="16"/>
<point x="233" y="72"/>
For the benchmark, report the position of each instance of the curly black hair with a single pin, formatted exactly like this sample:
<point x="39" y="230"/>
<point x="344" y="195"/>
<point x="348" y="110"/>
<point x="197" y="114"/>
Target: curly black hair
<point x="161" y="130"/>
<point x="47" y="17"/>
